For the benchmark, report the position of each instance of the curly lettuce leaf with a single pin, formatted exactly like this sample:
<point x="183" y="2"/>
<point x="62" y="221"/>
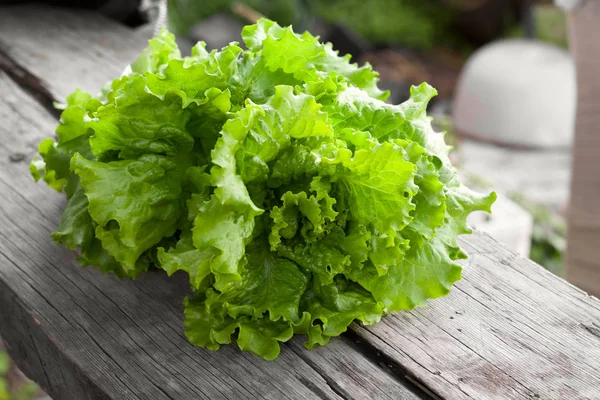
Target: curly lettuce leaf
<point x="305" y="57"/>
<point x="159" y="52"/>
<point x="426" y="272"/>
<point x="135" y="203"/>
<point x="270" y="285"/>
<point x="197" y="80"/>
<point x="144" y="124"/>
<point x="378" y="185"/>
<point x="259" y="336"/>
<point x="353" y="108"/>
<point x="332" y="308"/>
<point x="72" y="137"/>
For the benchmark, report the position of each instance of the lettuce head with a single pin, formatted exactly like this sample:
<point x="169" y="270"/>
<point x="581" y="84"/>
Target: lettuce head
<point x="276" y="176"/>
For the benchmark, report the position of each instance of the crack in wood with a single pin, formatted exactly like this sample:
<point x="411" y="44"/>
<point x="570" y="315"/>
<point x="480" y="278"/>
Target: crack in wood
<point x="388" y="365"/>
<point x="593" y="329"/>
<point x="314" y="388"/>
<point x="28" y="82"/>
<point x="48" y="383"/>
<point x="332" y="384"/>
<point x="415" y="380"/>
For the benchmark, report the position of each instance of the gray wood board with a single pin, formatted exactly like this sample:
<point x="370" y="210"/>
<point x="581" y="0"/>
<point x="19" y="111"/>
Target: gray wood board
<point x="84" y="335"/>
<point x="67" y="49"/>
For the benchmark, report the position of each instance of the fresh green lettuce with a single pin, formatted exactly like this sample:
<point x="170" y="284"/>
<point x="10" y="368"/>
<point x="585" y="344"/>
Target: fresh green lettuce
<point x="276" y="177"/>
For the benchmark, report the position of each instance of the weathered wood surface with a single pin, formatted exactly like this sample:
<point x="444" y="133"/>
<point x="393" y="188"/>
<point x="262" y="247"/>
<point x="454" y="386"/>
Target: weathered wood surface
<point x="509" y="330"/>
<point x="67" y="49"/>
<point x="583" y="241"/>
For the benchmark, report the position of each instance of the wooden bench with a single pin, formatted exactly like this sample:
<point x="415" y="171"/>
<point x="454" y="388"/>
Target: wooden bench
<point x="508" y="330"/>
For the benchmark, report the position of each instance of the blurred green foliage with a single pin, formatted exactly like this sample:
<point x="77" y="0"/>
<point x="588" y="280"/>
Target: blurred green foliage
<point x="25" y="391"/>
<point x="4" y="367"/>
<point x="412" y="23"/>
<point x="409" y="23"/>
<point x="183" y="14"/>
<point x="548" y="238"/>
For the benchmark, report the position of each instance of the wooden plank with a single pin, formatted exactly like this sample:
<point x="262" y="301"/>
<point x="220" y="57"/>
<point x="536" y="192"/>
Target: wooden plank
<point x="583" y="251"/>
<point x="67" y="49"/>
<point x="508" y="330"/>
<point x="83" y="335"/>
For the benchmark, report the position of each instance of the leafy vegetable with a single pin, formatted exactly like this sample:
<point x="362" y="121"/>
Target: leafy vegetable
<point x="277" y="178"/>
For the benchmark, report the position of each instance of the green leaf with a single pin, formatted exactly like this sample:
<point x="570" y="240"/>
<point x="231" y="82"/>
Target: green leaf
<point x="283" y="118"/>
<point x="226" y="221"/>
<point x="320" y="258"/>
<point x="51" y="168"/>
<point x="460" y="203"/>
<point x="430" y="201"/>
<point x="97" y="256"/>
<point x="199" y="79"/>
<point x="247" y="143"/>
<point x="332" y="308"/>
<point x="269" y="284"/>
<point x="76" y="227"/>
<point x="134" y="202"/>
<point x="301" y="161"/>
<point x="353" y="108"/>
<point x="73" y="137"/>
<point x="317" y="210"/>
<point x="185" y="257"/>
<point x="76" y="230"/>
<point x="256" y="81"/>
<point x="225" y="229"/>
<point x="260" y="337"/>
<point x="427" y="272"/>
<point x="139" y="125"/>
<point x="378" y="185"/>
<point x="305" y="57"/>
<point x="161" y="49"/>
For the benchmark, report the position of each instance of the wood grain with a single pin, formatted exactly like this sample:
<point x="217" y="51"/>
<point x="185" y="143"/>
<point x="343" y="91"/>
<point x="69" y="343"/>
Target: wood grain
<point x="583" y="241"/>
<point x="83" y="335"/>
<point x="67" y="49"/>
